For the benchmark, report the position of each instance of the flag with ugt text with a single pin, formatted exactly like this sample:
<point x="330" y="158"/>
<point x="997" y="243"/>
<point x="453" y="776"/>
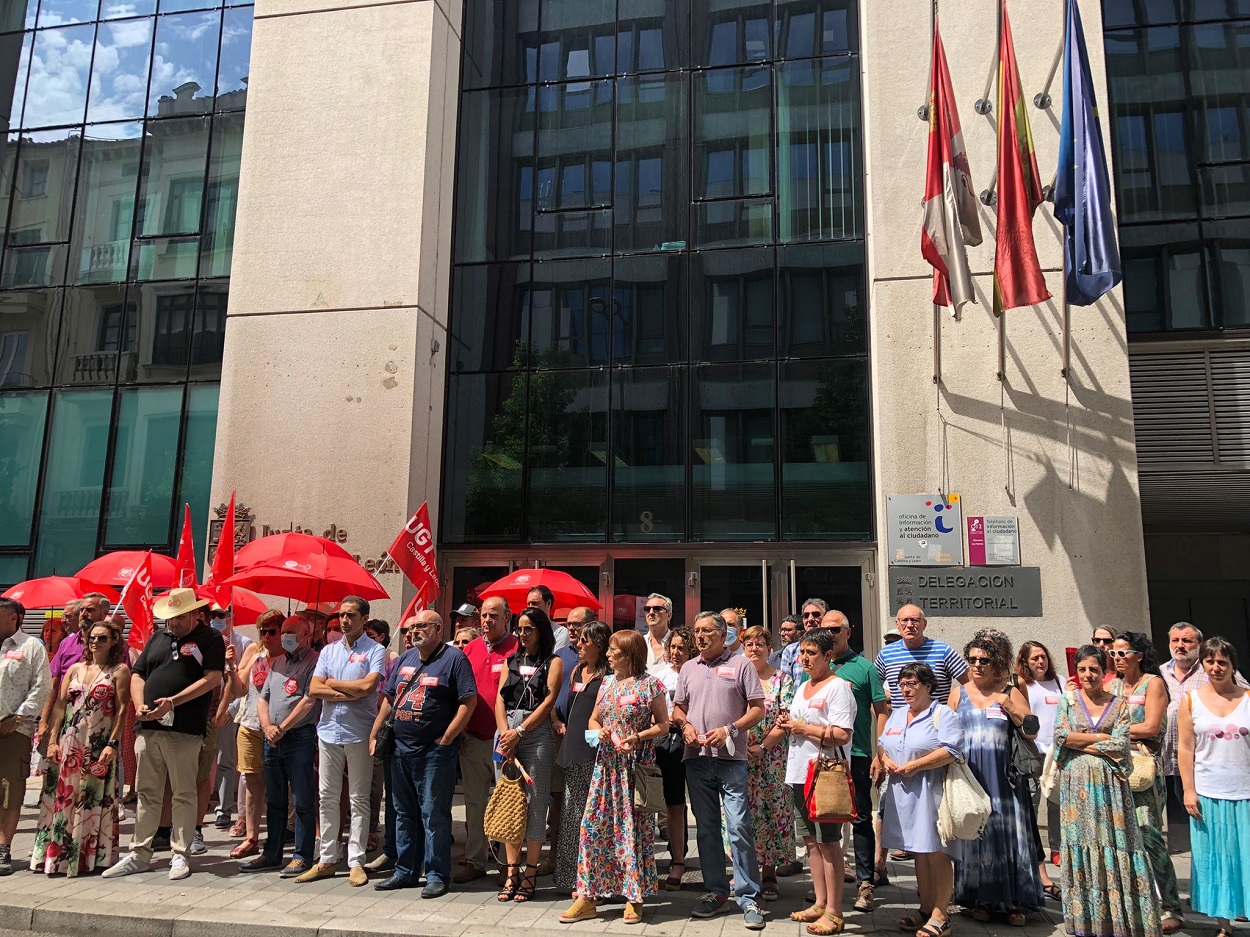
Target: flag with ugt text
<point x="951" y="221"/>
<point x="1018" y="279"/>
<point x="413" y="552"/>
<point x="184" y="572"/>
<point x="1082" y="183"/>
<point x="137" y="601"/>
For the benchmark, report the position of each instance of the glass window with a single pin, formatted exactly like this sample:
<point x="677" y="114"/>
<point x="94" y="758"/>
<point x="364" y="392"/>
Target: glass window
<point x="822" y="304"/>
<point x="648" y="463"/>
<point x="165" y="259"/>
<point x="733" y="452"/>
<point x="96" y="329"/>
<point x="732" y="310"/>
<point x="171" y="183"/>
<point x="731" y="32"/>
<point x="221" y="197"/>
<point x="571" y="313"/>
<point x="21" y="444"/>
<point x="1228" y="262"/>
<point x="165" y="314"/>
<point x="57" y="92"/>
<point x="119" y="73"/>
<point x="733" y="133"/>
<point x="500" y="43"/>
<point x="567" y="445"/>
<point x="105" y="204"/>
<point x="484" y="449"/>
<point x="14" y="47"/>
<point x="208" y="338"/>
<point x="491" y="321"/>
<point x="807" y="28"/>
<point x="119" y="9"/>
<point x="469" y="582"/>
<point x="652" y="35"/>
<point x="44" y="190"/>
<point x="73" y="481"/>
<point x="145" y="460"/>
<point x="495" y="172"/>
<point x="13" y="567"/>
<point x="634" y="580"/>
<point x="649" y="309"/>
<point x="16" y="15"/>
<point x="28" y="327"/>
<point x="818" y="146"/>
<point x="236" y="59"/>
<point x="60" y="12"/>
<point x="184" y="64"/>
<point x="652" y="189"/>
<point x="825" y="451"/>
<point x="577" y="39"/>
<point x="199" y="442"/>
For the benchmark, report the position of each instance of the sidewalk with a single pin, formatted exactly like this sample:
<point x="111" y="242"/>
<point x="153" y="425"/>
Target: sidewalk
<point x="217" y="901"/>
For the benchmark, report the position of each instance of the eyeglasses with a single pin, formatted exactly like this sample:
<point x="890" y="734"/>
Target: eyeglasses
<point x="654" y="608"/>
<point x="1121" y="653"/>
<point x="978" y="661"/>
<point x="269" y="632"/>
<point x="909" y="684"/>
<point x="404" y="630"/>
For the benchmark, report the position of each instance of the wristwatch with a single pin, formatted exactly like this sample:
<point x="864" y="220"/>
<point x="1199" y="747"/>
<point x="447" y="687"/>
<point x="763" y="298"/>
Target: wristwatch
<point x="732" y="729"/>
<point x="113" y="744"/>
<point x="520" y="730"/>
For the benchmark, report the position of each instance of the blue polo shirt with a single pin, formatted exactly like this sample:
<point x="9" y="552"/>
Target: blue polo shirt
<point x="570" y="658"/>
<point x="351" y="721"/>
<point x="432" y="692"/>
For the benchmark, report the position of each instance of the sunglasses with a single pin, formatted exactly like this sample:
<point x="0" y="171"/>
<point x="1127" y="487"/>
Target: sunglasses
<point x="269" y="632"/>
<point x="1104" y="640"/>
<point x="654" y="608"/>
<point x="98" y="638"/>
<point x="811" y="615"/>
<point x="404" y="630"/>
<point x="978" y="661"/>
<point x="1121" y="653"/>
<point x="836" y="629"/>
<point x="526" y="630"/>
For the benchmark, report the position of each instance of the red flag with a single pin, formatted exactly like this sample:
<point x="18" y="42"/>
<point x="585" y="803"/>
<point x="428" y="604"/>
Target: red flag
<point x="137" y="601"/>
<point x="951" y="220"/>
<point x="1018" y="279"/>
<point x="184" y="574"/>
<point x="416" y="605"/>
<point x="413" y="552"/>
<point x="223" y="559"/>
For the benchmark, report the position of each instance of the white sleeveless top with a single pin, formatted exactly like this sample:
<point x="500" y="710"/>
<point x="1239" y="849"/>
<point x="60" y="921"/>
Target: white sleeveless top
<point x="1221" y="751"/>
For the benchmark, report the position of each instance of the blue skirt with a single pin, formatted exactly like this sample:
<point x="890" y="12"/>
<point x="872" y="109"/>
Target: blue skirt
<point x="1220" y="841"/>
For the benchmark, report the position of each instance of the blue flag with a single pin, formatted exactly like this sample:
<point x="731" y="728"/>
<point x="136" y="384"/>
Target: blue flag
<point x="1083" y="186"/>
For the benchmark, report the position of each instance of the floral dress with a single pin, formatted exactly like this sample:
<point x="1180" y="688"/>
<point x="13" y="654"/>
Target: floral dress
<point x="616" y="854"/>
<point x="80" y="806"/>
<point x="768" y="796"/>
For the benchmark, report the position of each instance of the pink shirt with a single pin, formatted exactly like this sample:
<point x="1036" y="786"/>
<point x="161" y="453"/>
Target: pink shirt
<point x="714" y="694"/>
<point x="68" y="653"/>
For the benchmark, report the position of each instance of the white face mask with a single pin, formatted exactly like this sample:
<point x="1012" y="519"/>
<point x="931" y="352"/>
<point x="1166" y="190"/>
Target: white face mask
<point x="289" y="643"/>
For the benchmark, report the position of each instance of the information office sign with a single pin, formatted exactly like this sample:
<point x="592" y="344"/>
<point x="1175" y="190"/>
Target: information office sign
<point x="993" y="540"/>
<point x="969" y="592"/>
<point x="924" y="530"/>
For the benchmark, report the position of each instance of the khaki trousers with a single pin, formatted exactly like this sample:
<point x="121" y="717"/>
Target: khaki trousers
<point x="165" y="757"/>
<point x="477" y="774"/>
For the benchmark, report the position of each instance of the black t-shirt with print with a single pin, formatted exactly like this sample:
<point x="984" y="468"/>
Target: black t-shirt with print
<point x="169" y="665"/>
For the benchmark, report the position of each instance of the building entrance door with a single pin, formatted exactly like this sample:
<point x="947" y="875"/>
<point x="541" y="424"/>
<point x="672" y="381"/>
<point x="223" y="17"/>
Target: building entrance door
<point x="747" y="587"/>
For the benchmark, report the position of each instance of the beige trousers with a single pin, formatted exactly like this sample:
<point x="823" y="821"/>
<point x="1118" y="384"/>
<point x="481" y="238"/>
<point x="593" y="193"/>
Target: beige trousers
<point x="477" y="774"/>
<point x="165" y="757"/>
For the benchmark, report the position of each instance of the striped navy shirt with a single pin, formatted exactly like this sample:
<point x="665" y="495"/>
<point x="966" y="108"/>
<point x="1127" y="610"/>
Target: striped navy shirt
<point x="943" y="660"/>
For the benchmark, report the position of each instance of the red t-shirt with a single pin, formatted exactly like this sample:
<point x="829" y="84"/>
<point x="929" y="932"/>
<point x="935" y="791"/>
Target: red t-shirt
<point x="487" y="664"/>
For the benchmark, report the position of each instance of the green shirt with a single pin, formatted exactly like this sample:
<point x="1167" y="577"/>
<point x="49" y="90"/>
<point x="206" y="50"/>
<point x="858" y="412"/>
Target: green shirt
<point x="867" y="688"/>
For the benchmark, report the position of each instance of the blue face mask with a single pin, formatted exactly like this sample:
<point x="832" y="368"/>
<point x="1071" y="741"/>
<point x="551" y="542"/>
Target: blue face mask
<point x="220" y="624"/>
<point x="592" y="738"/>
<point x="289" y="643"/>
<point x="731" y="635"/>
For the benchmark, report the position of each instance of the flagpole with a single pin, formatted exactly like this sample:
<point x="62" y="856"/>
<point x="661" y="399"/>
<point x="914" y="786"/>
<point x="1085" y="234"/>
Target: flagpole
<point x="998" y="82"/>
<point x="937" y="310"/>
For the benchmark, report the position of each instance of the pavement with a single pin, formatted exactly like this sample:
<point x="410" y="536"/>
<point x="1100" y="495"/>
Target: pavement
<point x="218" y="901"/>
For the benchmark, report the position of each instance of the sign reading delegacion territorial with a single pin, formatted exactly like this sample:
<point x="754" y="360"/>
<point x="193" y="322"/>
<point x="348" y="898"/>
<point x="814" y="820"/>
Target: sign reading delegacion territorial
<point x="969" y="591"/>
<point x="924" y="530"/>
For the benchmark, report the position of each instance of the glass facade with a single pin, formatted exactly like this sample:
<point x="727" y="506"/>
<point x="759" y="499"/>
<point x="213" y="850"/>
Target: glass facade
<point x="659" y="311"/>
<point x="123" y="129"/>
<point x="1180" y="106"/>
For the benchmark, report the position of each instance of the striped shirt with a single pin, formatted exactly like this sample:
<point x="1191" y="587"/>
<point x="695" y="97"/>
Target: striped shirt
<point x="943" y="660"/>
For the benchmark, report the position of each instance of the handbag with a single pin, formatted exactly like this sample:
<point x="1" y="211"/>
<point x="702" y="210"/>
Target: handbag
<point x="965" y="807"/>
<point x="1145" y="769"/>
<point x="506" y="811"/>
<point x="1027" y="761"/>
<point x="384" y="741"/>
<point x="828" y="790"/>
<point x="648" y="788"/>
<point x="1050" y="778"/>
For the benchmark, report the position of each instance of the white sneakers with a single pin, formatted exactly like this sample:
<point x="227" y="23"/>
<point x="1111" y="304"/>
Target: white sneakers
<point x="128" y="865"/>
<point x="178" y="868"/>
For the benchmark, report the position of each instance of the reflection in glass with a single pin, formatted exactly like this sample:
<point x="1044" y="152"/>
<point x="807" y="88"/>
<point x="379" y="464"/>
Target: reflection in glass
<point x="635" y="579"/>
<point x="571" y="311"/>
<point x="236" y="59"/>
<point x="469" y="582"/>
<point x="652" y="186"/>
<point x="73" y="480"/>
<point x="567" y="455"/>
<point x="807" y="28"/>
<point x="105" y="207"/>
<point x="1228" y="266"/>
<point x="500" y="47"/>
<point x="96" y="328"/>
<point x="165" y="258"/>
<point x="145" y="458"/>
<point x="731" y="32"/>
<point x="652" y="35"/>
<point x="13" y="568"/>
<point x="825" y="464"/>
<point x="16" y="15"/>
<point x="221" y="195"/>
<point x="577" y="39"/>
<point x="821" y="305"/>
<point x="731" y="305"/>
<point x="495" y="176"/>
<point x="1173" y="295"/>
<point x="732" y="452"/>
<point x="24" y="266"/>
<point x="733" y="132"/>
<point x="57" y="92"/>
<point x="171" y="184"/>
<point x="61" y="12"/>
<point x="21" y="443"/>
<point x="117" y="9"/>
<point x="119" y="72"/>
<point x="490" y="324"/>
<point x="199" y="440"/>
<point x="649" y="310"/>
<point x="43" y="187"/>
<point x="184" y="64"/>
<point x="484" y="453"/>
<point x="733" y="222"/>
<point x="648" y="465"/>
<point x="161" y="316"/>
<point x="28" y="326"/>
<point x="208" y="338"/>
<point x="14" y="48"/>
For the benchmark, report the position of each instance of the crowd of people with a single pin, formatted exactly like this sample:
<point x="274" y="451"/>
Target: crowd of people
<point x="322" y="728"/>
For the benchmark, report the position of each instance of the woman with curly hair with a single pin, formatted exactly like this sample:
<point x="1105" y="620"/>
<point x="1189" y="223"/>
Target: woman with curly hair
<point x="80" y="807"/>
<point x="996" y="873"/>
<point x="1139" y="682"/>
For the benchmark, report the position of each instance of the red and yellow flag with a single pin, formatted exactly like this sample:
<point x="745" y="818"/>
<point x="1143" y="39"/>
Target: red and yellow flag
<point x="1018" y="279"/>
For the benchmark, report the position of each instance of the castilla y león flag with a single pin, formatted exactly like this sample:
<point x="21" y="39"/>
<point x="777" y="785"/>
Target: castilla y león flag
<point x="413" y="552"/>
<point x="951" y="221"/>
<point x="137" y="601"/>
<point x="1018" y="279"/>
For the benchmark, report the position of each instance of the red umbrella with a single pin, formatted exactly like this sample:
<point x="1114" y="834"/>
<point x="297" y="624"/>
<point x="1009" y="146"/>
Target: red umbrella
<point x="310" y="578"/>
<point x="266" y="548"/>
<point x="55" y="591"/>
<point x="117" y="567"/>
<point x="248" y="606"/>
<point x="515" y="586"/>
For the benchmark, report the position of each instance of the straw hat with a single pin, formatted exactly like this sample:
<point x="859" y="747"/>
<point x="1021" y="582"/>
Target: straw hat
<point x="178" y="602"/>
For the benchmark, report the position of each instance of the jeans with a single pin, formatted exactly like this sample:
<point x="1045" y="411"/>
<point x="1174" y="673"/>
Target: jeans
<point x="359" y="764"/>
<point x="711" y="781"/>
<point x="424" y="782"/>
<point x="291" y="762"/>
<point x="862" y="835"/>
<point x="388" y="786"/>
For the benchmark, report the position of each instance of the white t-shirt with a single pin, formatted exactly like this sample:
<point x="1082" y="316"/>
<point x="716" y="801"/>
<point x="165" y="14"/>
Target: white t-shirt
<point x="1044" y="696"/>
<point x="832" y="705"/>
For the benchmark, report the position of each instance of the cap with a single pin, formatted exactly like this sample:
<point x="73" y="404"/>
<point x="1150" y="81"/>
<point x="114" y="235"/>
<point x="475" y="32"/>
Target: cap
<point x="464" y="611"/>
<point x="892" y="635"/>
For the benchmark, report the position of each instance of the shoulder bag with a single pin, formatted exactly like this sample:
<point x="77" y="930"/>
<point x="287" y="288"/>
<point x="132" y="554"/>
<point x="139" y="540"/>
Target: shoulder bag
<point x="505" y="817"/>
<point x="1027" y="761"/>
<point x="829" y="791"/>
<point x="648" y="788"/>
<point x="384" y="741"/>
<point x="965" y="807"/>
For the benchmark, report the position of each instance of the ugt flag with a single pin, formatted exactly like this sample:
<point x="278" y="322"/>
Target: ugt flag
<point x="137" y="601"/>
<point x="413" y="552"/>
<point x="1082" y="184"/>
<point x="951" y="221"/>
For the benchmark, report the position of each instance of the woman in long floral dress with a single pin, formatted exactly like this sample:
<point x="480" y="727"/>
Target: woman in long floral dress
<point x="80" y="807"/>
<point x="1108" y="887"/>
<point x="770" y="801"/>
<point x="616" y="852"/>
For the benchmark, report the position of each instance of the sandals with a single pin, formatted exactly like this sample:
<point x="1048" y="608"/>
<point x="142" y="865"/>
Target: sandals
<point x="826" y="925"/>
<point x="1015" y="917"/>
<point x="509" y="889"/>
<point x="633" y="913"/>
<point x="941" y="930"/>
<point x="249" y="847"/>
<point x="808" y="915"/>
<point x="529" y="883"/>
<point x="1175" y="921"/>
<point x="581" y="909"/>
<point x="880" y="876"/>
<point x="1052" y="891"/>
<point x="769" y="890"/>
<point x="981" y="913"/>
<point x="673" y="882"/>
<point x="913" y="922"/>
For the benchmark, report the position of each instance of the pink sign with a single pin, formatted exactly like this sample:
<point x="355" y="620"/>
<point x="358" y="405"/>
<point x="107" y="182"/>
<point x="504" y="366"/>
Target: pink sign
<point x="976" y="541"/>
